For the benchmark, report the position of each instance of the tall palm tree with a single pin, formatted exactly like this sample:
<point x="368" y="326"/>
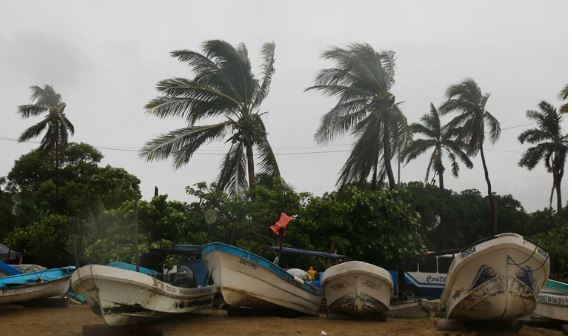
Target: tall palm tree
<point x="362" y="79"/>
<point x="472" y="120"/>
<point x="57" y="126"/>
<point x="549" y="143"/>
<point x="564" y="96"/>
<point x="224" y="88"/>
<point x="442" y="140"/>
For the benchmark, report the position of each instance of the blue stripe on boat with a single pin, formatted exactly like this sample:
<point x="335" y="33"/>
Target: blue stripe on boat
<point x="262" y="262"/>
<point x="131" y="267"/>
<point x="35" y="277"/>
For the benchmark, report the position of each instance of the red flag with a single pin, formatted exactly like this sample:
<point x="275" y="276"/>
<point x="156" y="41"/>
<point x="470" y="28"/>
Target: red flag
<point x="281" y="224"/>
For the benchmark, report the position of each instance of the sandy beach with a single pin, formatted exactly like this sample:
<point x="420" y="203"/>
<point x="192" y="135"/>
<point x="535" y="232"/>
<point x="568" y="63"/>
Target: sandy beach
<point x="77" y="320"/>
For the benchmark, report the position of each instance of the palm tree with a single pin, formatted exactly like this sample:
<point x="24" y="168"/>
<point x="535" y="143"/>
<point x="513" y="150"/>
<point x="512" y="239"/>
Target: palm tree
<point x="549" y="143"/>
<point x="225" y="88"/>
<point x="472" y="120"/>
<point x="440" y="139"/>
<point x="362" y="79"/>
<point x="564" y="96"/>
<point x="57" y="125"/>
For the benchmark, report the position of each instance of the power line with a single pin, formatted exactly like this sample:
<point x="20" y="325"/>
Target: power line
<point x="223" y="154"/>
<point x="517" y="126"/>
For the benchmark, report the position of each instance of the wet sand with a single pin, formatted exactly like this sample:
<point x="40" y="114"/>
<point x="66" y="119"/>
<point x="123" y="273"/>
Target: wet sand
<point x="74" y="320"/>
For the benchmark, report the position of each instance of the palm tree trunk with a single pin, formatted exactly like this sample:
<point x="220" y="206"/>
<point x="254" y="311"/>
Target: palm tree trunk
<point x="398" y="166"/>
<point x="441" y="183"/>
<point x="374" y="177"/>
<point x="250" y="161"/>
<point x="490" y="193"/>
<point x="387" y="156"/>
<point x="55" y="176"/>
<point x="558" y="187"/>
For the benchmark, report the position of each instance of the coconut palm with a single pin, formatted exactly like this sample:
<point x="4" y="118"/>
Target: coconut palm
<point x="362" y="79"/>
<point x="224" y="88"/>
<point x="564" y="96"/>
<point x="57" y="126"/>
<point x="549" y="144"/>
<point x="442" y="141"/>
<point x="471" y="122"/>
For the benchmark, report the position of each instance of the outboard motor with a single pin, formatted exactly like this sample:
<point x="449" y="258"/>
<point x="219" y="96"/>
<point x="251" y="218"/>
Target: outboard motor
<point x="184" y="277"/>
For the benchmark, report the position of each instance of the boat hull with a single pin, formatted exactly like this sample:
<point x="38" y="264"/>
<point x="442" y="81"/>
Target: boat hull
<point x="357" y="288"/>
<point x="246" y="280"/>
<point x="552" y="306"/>
<point x="23" y="293"/>
<point x="124" y="297"/>
<point x="497" y="279"/>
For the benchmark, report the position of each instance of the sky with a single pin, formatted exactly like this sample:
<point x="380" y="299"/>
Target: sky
<point x="105" y="58"/>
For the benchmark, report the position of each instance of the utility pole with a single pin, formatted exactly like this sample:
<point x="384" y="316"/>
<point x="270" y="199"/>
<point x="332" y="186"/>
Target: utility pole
<point x="136" y="238"/>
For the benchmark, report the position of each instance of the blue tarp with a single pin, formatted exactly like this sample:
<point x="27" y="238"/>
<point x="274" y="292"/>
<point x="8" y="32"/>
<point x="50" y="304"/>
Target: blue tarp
<point x="8" y="270"/>
<point x="31" y="278"/>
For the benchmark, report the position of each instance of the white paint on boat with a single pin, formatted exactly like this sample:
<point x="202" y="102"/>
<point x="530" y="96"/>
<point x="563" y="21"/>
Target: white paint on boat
<point x="357" y="288"/>
<point x="248" y="281"/>
<point x="496" y="279"/>
<point x="125" y="297"/>
<point x="34" y="291"/>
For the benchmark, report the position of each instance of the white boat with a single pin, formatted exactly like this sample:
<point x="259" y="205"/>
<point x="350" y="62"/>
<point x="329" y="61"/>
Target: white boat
<point x="124" y="297"/>
<point x="552" y="301"/>
<point x="246" y="280"/>
<point x="357" y="288"/>
<point x="35" y="285"/>
<point x="495" y="279"/>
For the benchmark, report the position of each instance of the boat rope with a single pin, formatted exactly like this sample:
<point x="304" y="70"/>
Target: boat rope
<point x="511" y="261"/>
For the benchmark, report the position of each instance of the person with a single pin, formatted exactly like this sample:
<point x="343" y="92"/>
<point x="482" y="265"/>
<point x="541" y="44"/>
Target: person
<point x="312" y="273"/>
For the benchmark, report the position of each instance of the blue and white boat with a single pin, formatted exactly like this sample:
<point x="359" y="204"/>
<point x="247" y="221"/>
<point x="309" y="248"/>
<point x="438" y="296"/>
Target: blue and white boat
<point x="36" y="285"/>
<point x="247" y="280"/>
<point x="552" y="301"/>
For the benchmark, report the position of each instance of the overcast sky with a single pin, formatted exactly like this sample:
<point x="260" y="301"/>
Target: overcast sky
<point x="105" y="58"/>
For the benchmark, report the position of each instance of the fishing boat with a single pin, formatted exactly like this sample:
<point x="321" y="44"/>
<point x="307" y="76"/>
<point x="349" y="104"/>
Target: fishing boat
<point x="121" y="295"/>
<point x="25" y="287"/>
<point x="495" y="279"/>
<point x="552" y="301"/>
<point x="357" y="288"/>
<point x="247" y="280"/>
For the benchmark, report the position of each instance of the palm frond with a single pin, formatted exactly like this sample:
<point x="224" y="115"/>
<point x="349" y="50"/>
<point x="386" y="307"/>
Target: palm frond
<point x="416" y="148"/>
<point x="267" y="160"/>
<point x="267" y="71"/>
<point x="182" y="143"/>
<point x="494" y="127"/>
<point x="232" y="176"/>
<point x="532" y="156"/>
<point x="31" y="110"/>
<point x="34" y="130"/>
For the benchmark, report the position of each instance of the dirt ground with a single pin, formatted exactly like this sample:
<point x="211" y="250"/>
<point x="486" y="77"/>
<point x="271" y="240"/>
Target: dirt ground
<point x="79" y="320"/>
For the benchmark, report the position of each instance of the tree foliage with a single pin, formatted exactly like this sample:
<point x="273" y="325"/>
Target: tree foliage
<point x="361" y="80"/>
<point x="442" y="140"/>
<point x="224" y="87"/>
<point x="549" y="144"/>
